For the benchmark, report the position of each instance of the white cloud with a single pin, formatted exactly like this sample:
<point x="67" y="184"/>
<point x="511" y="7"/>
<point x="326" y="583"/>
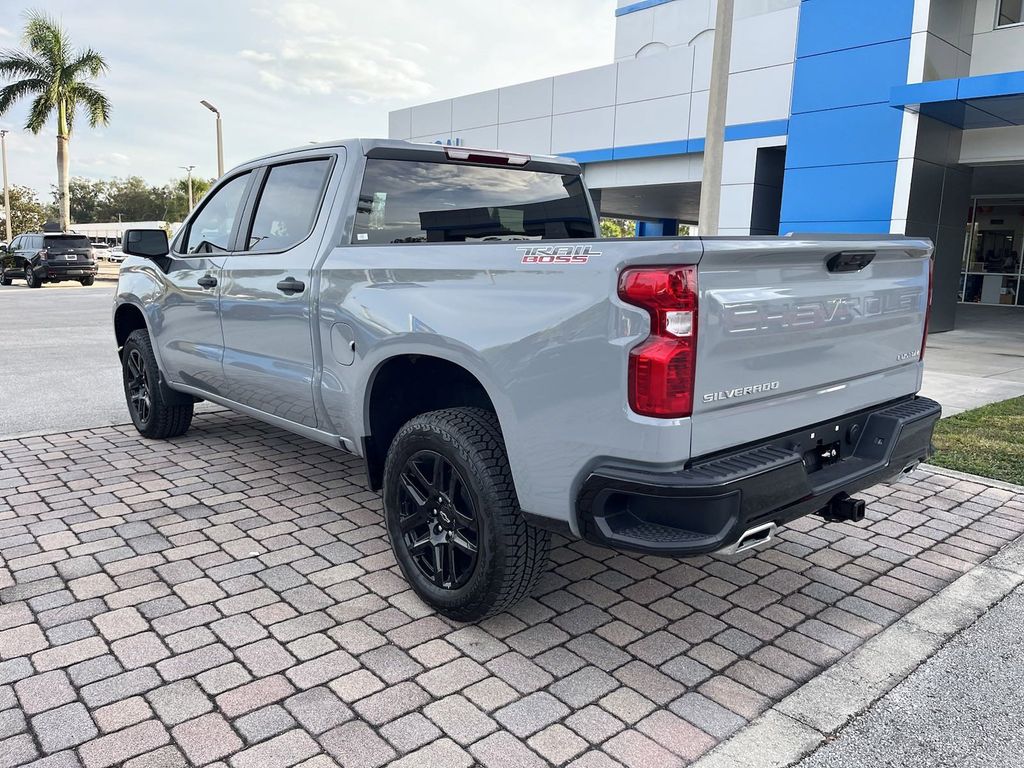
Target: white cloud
<point x="111" y="162"/>
<point x="363" y="70"/>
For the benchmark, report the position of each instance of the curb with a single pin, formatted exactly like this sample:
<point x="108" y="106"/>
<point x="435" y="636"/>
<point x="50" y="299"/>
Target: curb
<point x="813" y="713"/>
<point x="1001" y="484"/>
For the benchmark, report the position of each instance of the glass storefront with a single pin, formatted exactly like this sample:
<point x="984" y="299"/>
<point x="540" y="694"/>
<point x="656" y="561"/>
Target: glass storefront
<point x="991" y="272"/>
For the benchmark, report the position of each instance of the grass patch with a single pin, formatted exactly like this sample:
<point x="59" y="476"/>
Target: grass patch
<point x="986" y="441"/>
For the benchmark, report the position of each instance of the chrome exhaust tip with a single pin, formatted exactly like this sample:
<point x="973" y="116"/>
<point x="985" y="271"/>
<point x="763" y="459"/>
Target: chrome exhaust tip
<point x="758" y="536"/>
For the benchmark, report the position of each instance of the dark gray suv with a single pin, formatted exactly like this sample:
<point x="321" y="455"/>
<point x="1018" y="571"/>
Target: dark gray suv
<point x="38" y="258"/>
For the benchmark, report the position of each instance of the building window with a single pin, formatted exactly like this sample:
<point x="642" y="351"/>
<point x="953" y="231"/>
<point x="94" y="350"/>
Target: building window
<point x="1010" y="12"/>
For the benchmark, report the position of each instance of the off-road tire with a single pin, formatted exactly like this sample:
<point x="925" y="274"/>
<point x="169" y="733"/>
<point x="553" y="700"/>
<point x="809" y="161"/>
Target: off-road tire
<point x="511" y="555"/>
<point x="170" y="413"/>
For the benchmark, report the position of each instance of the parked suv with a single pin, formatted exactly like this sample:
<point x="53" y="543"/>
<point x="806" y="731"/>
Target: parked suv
<point x="452" y="316"/>
<point x="38" y="257"/>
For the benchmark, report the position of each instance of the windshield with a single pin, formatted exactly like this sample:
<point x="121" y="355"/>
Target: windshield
<point x="403" y="201"/>
<point x="60" y="242"/>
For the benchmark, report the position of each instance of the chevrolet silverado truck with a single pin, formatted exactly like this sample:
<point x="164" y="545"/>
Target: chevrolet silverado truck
<point x="454" y="317"/>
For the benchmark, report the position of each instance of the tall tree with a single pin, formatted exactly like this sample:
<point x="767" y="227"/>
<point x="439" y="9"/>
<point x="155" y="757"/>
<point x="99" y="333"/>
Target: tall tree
<point x="27" y="213"/>
<point x="60" y="78"/>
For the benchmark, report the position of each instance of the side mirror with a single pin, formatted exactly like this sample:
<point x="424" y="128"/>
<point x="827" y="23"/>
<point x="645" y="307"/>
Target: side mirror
<point x="145" y="242"/>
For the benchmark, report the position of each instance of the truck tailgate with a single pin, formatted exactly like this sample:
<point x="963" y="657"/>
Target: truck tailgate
<point x="794" y="332"/>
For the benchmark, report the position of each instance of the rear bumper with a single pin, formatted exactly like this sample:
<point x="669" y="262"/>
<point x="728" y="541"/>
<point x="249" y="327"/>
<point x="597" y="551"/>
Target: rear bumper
<point x="708" y="506"/>
<point x="66" y="271"/>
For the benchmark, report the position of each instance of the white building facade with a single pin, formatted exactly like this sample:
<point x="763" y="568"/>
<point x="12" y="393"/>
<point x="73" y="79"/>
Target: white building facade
<point x="875" y="116"/>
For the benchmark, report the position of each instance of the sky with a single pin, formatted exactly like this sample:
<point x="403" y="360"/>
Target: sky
<point x="285" y="72"/>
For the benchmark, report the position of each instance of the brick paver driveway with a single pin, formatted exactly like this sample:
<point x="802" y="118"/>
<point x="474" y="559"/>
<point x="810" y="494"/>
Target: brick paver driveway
<point x="230" y="596"/>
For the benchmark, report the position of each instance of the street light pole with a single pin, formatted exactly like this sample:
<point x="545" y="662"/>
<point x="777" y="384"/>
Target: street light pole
<point x="7" y="190"/>
<point x="220" y="138"/>
<point x="714" y="136"/>
<point x="188" y="170"/>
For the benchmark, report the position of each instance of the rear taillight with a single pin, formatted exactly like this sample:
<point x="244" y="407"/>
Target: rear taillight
<point x="928" y="310"/>
<point x="661" y="368"/>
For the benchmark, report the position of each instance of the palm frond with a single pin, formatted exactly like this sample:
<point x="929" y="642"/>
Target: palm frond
<point x="14" y="63"/>
<point x="87" y="62"/>
<point x="15" y="91"/>
<point x="45" y="37"/>
<point x="97" y="105"/>
<point x="42" y="108"/>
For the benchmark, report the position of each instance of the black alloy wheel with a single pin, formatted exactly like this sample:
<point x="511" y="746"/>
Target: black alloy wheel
<point x="453" y="517"/>
<point x="438" y="521"/>
<point x="137" y="386"/>
<point x="157" y="411"/>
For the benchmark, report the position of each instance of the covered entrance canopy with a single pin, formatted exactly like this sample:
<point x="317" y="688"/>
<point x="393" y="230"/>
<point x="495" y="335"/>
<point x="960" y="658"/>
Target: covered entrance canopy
<point x="986" y="101"/>
<point x="652" y="201"/>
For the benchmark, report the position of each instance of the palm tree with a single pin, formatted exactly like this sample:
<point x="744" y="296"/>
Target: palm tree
<point x="60" y="79"/>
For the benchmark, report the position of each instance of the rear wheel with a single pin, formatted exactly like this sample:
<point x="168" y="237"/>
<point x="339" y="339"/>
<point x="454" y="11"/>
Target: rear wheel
<point x="157" y="411"/>
<point x="87" y="281"/>
<point x="30" y="277"/>
<point x="453" y="517"/>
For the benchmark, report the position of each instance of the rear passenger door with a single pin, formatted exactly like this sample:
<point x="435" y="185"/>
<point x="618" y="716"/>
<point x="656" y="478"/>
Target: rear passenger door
<point x="267" y="290"/>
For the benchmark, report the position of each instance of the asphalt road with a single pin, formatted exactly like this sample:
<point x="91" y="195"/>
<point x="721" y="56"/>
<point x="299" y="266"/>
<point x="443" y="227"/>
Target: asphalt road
<point x="962" y="708"/>
<point x="58" y="366"/>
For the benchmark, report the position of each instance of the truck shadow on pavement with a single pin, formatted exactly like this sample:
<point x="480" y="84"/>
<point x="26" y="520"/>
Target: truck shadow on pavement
<point x="231" y="595"/>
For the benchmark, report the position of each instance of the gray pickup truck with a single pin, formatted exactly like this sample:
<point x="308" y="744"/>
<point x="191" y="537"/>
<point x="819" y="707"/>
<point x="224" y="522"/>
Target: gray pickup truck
<point x="453" y="316"/>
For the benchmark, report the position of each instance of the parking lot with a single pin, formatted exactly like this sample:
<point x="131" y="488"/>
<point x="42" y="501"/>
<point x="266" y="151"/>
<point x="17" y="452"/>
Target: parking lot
<point x="230" y="596"/>
<point x="59" y="368"/>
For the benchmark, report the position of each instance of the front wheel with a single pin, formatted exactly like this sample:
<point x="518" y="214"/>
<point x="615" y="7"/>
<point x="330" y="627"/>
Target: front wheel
<point x="152" y="405"/>
<point x="4" y="279"/>
<point x="453" y="517"/>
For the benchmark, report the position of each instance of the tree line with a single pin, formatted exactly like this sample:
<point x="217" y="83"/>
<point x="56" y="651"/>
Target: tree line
<point x="94" y="200"/>
<point x="130" y="199"/>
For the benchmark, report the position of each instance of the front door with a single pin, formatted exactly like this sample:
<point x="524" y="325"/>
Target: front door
<point x="267" y="291"/>
<point x="187" y="328"/>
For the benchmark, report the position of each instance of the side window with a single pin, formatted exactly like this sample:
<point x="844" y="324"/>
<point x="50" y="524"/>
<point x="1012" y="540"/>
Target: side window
<point x="211" y="229"/>
<point x="288" y="205"/>
<point x="1010" y="12"/>
<point x="16" y="244"/>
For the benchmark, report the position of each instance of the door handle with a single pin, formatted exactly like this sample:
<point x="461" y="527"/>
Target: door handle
<point x="290" y="285"/>
<point x="207" y="281"/>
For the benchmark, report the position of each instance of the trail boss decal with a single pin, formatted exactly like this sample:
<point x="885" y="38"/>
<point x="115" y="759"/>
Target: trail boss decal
<point x="556" y="254"/>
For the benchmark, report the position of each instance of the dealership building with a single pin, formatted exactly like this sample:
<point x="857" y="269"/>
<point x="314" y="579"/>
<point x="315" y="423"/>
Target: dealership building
<point x="874" y="116"/>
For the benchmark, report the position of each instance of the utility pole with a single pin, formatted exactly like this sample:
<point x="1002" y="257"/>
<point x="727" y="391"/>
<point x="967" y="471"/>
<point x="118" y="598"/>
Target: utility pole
<point x="714" y="136"/>
<point x="188" y="170"/>
<point x="7" y="189"/>
<point x="220" y="138"/>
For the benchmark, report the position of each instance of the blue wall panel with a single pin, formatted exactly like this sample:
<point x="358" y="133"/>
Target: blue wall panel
<point x="850" y="77"/>
<point x="844" y="137"/>
<point x="832" y="25"/>
<point x="867" y="134"/>
<point x="846" y="227"/>
<point x="840" y="192"/>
